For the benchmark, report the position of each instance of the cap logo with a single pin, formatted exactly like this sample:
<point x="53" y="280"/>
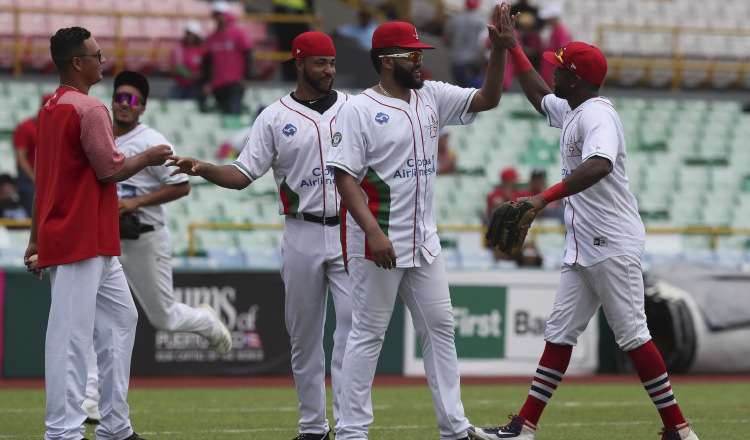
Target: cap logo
<point x="573" y="66"/>
<point x="416" y="35"/>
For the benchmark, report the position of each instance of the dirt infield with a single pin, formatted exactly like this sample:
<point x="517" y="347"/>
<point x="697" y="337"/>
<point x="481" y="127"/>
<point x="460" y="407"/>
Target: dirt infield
<point x="382" y="380"/>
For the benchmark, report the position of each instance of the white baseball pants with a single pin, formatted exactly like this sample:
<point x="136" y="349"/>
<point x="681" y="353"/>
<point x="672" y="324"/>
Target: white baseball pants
<point x="616" y="284"/>
<point x="147" y="263"/>
<point x="313" y="262"/>
<point x="91" y="304"/>
<point x="425" y="292"/>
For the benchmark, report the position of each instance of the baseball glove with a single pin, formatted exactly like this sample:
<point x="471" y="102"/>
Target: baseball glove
<point x="130" y="226"/>
<point x="509" y="224"/>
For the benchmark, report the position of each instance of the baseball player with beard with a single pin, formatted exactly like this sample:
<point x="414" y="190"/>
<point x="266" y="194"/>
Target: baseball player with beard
<point x="147" y="260"/>
<point x="293" y="136"/>
<point x="384" y="155"/>
<point x="605" y="236"/>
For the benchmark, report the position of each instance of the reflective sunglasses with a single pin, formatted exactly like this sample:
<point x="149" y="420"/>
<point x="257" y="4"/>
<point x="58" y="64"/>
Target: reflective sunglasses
<point x="97" y="55"/>
<point x="414" y="57"/>
<point x="559" y="55"/>
<point x="129" y="98"/>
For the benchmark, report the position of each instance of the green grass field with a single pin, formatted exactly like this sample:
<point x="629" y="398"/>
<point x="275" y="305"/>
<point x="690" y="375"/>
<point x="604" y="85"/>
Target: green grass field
<point x="719" y="411"/>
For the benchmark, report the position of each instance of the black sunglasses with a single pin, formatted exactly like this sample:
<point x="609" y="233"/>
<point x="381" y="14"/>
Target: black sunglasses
<point x="129" y="98"/>
<point x="97" y="55"/>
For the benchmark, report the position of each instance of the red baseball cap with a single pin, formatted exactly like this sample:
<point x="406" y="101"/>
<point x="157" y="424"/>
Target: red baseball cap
<point x="397" y="34"/>
<point x="583" y="59"/>
<point x="472" y="4"/>
<point x="509" y="174"/>
<point x="312" y="44"/>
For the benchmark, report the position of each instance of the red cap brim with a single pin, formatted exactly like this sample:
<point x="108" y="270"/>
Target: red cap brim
<point x="552" y="59"/>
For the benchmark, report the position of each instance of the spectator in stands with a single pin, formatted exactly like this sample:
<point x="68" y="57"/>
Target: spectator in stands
<point x="187" y="65"/>
<point x="446" y="159"/>
<point x="529" y="36"/>
<point x="560" y="37"/>
<point x="24" y="146"/>
<point x="523" y="6"/>
<point x="229" y="61"/>
<point x="465" y="33"/>
<point x="505" y="192"/>
<point x="537" y="184"/>
<point x="287" y="32"/>
<point x="361" y="31"/>
<point x="10" y="204"/>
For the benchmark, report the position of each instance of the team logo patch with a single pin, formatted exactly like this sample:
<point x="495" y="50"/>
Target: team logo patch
<point x="600" y="241"/>
<point x="336" y="139"/>
<point x="289" y="130"/>
<point x="382" y="118"/>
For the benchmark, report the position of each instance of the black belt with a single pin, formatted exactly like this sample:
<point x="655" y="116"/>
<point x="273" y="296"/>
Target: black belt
<point x="327" y="221"/>
<point x="146" y="228"/>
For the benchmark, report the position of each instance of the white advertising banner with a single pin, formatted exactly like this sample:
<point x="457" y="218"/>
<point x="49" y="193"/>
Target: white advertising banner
<point x="500" y="318"/>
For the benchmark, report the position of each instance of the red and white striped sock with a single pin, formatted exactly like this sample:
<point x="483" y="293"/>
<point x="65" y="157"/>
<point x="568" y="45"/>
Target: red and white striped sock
<point x="547" y="378"/>
<point x="653" y="374"/>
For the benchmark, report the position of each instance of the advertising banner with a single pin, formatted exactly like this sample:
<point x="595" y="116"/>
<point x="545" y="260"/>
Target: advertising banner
<point x="252" y="306"/>
<point x="500" y="318"/>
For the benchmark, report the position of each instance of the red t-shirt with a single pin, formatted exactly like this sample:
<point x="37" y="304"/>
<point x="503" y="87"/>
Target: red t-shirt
<point x="24" y="139"/>
<point x="77" y="214"/>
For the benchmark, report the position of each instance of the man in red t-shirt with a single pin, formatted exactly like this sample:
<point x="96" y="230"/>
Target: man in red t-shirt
<point x="24" y="145"/>
<point x="75" y="232"/>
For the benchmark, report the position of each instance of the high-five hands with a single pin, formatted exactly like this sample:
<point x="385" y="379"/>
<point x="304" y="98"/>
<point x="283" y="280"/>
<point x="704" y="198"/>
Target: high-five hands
<point x="502" y="30"/>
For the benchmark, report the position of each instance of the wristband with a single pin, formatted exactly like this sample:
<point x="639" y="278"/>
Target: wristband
<point x="521" y="64"/>
<point x="556" y="192"/>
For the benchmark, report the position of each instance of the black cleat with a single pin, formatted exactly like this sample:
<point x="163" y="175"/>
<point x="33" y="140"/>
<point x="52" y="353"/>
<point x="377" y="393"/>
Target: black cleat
<point x="309" y="436"/>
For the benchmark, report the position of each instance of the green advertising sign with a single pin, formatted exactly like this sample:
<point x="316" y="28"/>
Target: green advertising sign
<point x="479" y="313"/>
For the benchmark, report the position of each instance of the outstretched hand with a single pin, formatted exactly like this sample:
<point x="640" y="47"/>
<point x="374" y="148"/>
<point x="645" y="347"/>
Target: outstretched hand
<point x="158" y="155"/>
<point x="502" y="30"/>
<point x="185" y="165"/>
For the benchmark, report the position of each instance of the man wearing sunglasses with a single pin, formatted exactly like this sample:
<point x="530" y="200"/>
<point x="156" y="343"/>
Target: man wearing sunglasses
<point x="147" y="259"/>
<point x="605" y="237"/>
<point x="384" y="156"/>
<point x="292" y="136"/>
<point x="74" y="232"/>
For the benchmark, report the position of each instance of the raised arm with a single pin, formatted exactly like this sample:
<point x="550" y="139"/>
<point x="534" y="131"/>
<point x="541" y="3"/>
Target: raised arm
<point x="227" y="176"/>
<point x="488" y="96"/>
<point x="532" y="84"/>
<point x="354" y="200"/>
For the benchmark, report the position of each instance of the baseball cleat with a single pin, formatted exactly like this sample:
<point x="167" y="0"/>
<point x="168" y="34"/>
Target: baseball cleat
<point x="679" y="432"/>
<point x="223" y="343"/>
<point x="308" y="436"/>
<point x="92" y="411"/>
<point x="135" y="436"/>
<point x="518" y="428"/>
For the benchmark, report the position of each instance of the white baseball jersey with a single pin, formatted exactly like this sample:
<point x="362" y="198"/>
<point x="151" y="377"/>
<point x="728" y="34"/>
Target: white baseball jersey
<point x="294" y="140"/>
<point x="602" y="221"/>
<point x="390" y="147"/>
<point x="138" y="140"/>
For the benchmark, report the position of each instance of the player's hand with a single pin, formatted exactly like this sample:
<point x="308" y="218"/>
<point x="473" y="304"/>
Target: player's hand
<point x="185" y="165"/>
<point x="127" y="205"/>
<point x="381" y="249"/>
<point x="31" y="260"/>
<point x="502" y="30"/>
<point x="158" y="155"/>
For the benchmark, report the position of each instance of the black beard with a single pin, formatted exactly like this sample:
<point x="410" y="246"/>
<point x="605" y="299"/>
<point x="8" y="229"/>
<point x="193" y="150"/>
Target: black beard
<point x="316" y="84"/>
<point x="405" y="78"/>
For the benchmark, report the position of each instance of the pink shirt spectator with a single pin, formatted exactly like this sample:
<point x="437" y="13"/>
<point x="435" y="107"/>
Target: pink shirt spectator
<point x="227" y="49"/>
<point x="559" y="38"/>
<point x="191" y="58"/>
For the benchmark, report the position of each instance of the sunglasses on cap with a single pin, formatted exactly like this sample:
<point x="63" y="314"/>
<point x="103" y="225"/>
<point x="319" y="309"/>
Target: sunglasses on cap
<point x="559" y="55"/>
<point x="414" y="57"/>
<point x="129" y="98"/>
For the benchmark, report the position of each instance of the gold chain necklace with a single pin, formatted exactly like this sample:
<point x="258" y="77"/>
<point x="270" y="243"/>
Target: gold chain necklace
<point x="384" y="91"/>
